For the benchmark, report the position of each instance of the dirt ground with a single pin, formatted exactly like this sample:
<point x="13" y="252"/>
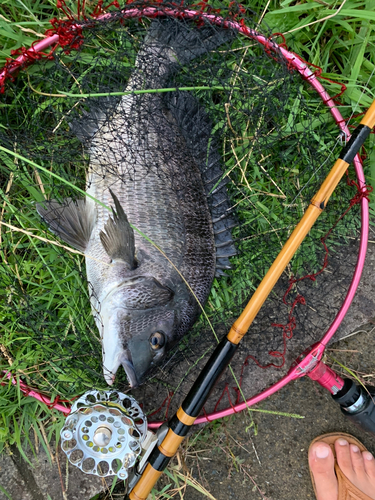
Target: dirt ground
<point x="263" y="455"/>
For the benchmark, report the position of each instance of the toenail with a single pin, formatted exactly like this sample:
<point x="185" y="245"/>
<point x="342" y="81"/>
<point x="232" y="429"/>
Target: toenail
<point x="321" y="451"/>
<point x="342" y="442"/>
<point x="355" y="448"/>
<point x="367" y="455"/>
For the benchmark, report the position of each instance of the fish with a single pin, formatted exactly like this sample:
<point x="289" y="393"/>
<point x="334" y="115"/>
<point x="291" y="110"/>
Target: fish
<point x="151" y="260"/>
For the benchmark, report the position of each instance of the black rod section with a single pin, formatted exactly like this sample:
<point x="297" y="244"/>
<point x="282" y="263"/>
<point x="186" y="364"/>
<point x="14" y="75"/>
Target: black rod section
<point x="198" y="394"/>
<point x="355" y="142"/>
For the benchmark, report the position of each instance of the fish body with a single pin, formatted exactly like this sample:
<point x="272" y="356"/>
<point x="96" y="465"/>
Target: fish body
<point x="142" y="165"/>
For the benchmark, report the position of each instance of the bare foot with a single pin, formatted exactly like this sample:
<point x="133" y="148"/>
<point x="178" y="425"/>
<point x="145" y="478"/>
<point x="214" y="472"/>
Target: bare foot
<point x="358" y="467"/>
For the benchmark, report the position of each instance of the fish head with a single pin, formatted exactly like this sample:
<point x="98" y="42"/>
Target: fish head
<point x="138" y="327"/>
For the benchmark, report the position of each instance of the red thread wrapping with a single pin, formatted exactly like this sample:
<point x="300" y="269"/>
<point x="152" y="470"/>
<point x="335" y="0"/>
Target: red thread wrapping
<point x="318" y="74"/>
<point x="270" y="48"/>
<point x="12" y="66"/>
<point x="52" y="404"/>
<point x="99" y="9"/>
<point x="167" y="401"/>
<point x="236" y="9"/>
<point x="283" y="43"/>
<point x="225" y="391"/>
<point x="291" y="325"/>
<point x="318" y="70"/>
<point x="70" y="34"/>
<point x="203" y="6"/>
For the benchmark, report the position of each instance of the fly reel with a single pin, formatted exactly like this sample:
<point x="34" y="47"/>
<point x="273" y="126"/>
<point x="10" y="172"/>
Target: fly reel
<point x="104" y="432"/>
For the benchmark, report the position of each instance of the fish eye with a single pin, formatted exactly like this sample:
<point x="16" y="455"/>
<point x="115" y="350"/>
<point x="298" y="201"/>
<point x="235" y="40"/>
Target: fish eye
<point x="157" y="340"/>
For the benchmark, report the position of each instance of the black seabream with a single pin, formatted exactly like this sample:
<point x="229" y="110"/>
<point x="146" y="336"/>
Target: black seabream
<point x="153" y="159"/>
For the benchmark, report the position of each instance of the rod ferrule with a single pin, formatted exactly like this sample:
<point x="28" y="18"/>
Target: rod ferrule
<point x="355" y="142"/>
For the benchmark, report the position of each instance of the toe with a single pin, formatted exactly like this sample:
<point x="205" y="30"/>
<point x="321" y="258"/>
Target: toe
<point x="321" y="462"/>
<point x="369" y="464"/>
<point x="358" y="467"/>
<point x="344" y="458"/>
<point x="358" y="462"/>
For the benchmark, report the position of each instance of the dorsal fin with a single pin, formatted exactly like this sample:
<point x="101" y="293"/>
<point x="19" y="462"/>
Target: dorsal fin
<point x="99" y="111"/>
<point x="196" y="128"/>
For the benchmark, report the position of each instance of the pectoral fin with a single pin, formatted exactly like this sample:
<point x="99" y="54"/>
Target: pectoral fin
<point x="72" y="220"/>
<point x="146" y="292"/>
<point x="118" y="237"/>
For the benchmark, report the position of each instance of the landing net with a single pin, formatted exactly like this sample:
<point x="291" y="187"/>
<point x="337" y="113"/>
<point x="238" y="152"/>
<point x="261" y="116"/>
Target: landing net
<point x="262" y="138"/>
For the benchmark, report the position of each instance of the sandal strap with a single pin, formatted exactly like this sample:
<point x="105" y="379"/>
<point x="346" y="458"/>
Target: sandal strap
<point x="347" y="490"/>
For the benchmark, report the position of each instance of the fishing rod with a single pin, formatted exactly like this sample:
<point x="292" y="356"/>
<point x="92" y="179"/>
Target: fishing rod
<point x="173" y="433"/>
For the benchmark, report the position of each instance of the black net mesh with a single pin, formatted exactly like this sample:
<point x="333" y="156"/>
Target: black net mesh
<point x="216" y="174"/>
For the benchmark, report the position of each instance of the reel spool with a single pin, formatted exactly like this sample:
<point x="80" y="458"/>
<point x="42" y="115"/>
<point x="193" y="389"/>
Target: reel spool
<point x="104" y="432"/>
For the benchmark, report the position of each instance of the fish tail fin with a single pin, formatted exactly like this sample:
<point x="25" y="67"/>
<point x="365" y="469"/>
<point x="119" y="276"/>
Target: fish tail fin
<point x="178" y="43"/>
<point x="167" y="45"/>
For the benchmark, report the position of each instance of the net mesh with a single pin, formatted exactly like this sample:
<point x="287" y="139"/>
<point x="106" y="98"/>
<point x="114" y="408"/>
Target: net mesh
<point x="239" y="150"/>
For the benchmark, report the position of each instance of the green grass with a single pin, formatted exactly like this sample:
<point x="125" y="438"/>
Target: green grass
<point x="341" y="42"/>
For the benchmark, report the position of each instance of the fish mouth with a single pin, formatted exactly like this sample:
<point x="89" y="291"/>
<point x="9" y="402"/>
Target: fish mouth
<point x="123" y="359"/>
<point x="130" y="373"/>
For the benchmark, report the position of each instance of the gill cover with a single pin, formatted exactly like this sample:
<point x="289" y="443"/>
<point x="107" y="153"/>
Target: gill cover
<point x="131" y="313"/>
